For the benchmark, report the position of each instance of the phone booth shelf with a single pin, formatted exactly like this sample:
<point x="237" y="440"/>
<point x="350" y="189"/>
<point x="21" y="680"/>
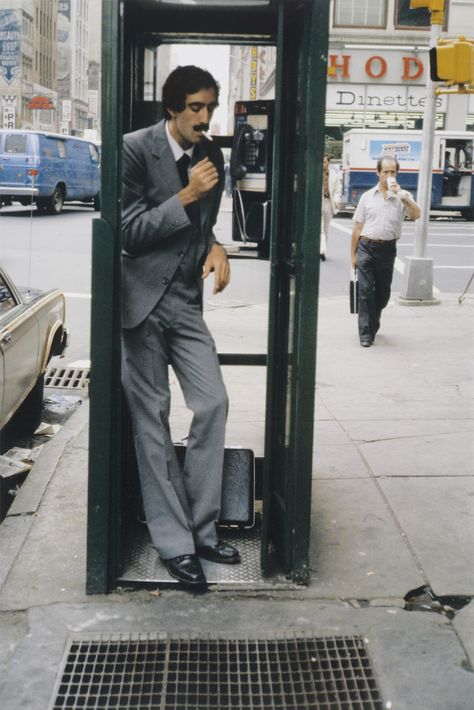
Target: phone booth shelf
<point x="299" y="30"/>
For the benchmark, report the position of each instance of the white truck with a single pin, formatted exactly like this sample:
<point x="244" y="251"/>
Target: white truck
<point x="453" y="180"/>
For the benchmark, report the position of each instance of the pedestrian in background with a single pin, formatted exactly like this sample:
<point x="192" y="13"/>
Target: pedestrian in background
<point x="331" y="201"/>
<point x="377" y="228"/>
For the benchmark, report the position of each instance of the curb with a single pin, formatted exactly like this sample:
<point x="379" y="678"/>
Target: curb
<point x="20" y="518"/>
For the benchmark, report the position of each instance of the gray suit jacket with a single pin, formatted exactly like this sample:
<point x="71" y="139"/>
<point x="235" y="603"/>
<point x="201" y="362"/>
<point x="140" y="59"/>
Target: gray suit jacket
<point x="156" y="231"/>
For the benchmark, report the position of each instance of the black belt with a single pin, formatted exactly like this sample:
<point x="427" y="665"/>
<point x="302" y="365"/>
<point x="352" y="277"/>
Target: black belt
<point x="378" y="241"/>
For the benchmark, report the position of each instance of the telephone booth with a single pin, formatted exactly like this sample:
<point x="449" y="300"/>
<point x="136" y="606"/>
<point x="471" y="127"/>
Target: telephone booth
<point x="286" y="207"/>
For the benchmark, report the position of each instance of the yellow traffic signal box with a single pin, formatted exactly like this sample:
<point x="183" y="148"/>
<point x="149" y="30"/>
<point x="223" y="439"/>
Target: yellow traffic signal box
<point x="433" y="5"/>
<point x="452" y="61"/>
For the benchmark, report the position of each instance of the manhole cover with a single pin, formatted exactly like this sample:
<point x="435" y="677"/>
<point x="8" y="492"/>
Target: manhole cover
<point x="67" y="377"/>
<point x="149" y="671"/>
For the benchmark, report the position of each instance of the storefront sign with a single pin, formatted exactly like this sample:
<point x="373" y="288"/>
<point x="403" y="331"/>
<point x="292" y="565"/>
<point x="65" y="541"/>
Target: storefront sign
<point x="379" y="97"/>
<point x="253" y="72"/>
<point x="64" y="8"/>
<point x="41" y="103"/>
<point x="9" y="117"/>
<point x="64" y="48"/>
<point x="66" y="112"/>
<point x="10" y="45"/>
<point x="391" y="66"/>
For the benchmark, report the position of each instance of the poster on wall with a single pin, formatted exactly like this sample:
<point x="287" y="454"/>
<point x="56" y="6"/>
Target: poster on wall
<point x="10" y="45"/>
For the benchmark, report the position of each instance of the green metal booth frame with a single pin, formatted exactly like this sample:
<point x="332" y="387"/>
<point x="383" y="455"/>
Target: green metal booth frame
<point x="299" y="30"/>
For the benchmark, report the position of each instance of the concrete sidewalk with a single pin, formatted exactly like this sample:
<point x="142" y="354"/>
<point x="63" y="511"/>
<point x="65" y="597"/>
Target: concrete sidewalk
<point x="393" y="504"/>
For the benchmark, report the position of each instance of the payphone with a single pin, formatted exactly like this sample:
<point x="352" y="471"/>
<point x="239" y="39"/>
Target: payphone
<point x="250" y="171"/>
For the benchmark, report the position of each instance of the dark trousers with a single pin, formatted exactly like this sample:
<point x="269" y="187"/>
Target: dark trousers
<point x="375" y="264"/>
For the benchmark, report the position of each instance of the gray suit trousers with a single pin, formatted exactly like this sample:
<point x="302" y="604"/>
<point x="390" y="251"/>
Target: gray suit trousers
<point x="181" y="507"/>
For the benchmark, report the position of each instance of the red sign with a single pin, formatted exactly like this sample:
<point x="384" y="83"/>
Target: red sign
<point x="375" y="67"/>
<point x="41" y="102"/>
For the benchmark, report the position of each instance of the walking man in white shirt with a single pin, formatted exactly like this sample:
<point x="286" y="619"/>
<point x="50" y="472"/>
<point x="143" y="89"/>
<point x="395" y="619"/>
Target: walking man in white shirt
<point x="377" y="228"/>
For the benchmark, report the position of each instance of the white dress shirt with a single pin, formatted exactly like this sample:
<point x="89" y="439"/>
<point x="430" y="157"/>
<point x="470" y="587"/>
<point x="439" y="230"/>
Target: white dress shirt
<point x="176" y="149"/>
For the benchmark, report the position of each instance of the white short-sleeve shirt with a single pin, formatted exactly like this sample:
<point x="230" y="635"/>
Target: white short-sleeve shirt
<point x="382" y="218"/>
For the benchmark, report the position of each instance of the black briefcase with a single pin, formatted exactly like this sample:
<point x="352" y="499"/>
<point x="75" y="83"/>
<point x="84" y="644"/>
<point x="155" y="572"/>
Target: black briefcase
<point x="238" y="486"/>
<point x="354" y="292"/>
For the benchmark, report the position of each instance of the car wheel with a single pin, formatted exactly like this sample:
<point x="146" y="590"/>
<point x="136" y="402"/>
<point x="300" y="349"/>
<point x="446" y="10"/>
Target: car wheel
<point x="54" y="204"/>
<point x="28" y="417"/>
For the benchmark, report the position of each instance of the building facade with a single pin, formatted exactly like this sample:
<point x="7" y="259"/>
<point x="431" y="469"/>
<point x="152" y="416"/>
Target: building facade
<point x="44" y="66"/>
<point x="73" y="65"/>
<point x="378" y="65"/>
<point x="28" y="63"/>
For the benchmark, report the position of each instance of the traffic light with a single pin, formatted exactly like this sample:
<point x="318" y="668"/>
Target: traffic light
<point x="436" y="7"/>
<point x="452" y="61"/>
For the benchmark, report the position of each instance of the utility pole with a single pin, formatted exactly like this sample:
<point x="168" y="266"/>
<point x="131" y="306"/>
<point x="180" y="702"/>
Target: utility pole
<point x="417" y="288"/>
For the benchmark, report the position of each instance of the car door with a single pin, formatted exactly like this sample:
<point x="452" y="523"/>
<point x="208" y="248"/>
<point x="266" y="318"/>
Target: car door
<point x="18" y="347"/>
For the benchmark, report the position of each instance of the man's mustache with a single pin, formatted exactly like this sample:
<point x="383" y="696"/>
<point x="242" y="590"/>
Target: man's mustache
<point x="201" y="127"/>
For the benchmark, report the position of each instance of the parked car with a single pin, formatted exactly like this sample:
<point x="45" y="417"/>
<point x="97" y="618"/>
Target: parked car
<point x="49" y="168"/>
<point x="32" y="331"/>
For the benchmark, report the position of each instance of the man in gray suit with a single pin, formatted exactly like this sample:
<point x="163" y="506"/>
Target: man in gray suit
<point x="172" y="186"/>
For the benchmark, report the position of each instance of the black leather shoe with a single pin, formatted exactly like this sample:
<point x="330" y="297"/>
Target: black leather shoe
<point x="366" y="343"/>
<point x="186" y="569"/>
<point x="222" y="552"/>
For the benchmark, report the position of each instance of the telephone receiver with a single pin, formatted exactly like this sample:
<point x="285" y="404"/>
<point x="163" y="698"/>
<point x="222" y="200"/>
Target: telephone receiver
<point x="245" y="139"/>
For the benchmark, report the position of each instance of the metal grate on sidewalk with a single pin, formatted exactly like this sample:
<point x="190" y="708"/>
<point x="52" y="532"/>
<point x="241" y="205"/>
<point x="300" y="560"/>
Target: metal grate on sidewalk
<point x="67" y="377"/>
<point x="158" y="671"/>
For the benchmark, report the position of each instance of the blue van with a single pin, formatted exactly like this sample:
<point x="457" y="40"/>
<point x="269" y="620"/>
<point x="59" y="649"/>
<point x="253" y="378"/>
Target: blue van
<point x="50" y="167"/>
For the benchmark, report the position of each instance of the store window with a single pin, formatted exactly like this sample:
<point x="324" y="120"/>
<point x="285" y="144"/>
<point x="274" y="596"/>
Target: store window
<point x="360" y="13"/>
<point x="405" y="17"/>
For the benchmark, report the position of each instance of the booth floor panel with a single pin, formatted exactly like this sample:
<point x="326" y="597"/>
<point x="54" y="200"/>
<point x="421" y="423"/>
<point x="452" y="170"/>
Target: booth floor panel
<point x="142" y="566"/>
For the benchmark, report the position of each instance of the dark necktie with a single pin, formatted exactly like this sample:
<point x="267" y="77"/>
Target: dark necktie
<point x="193" y="209"/>
<point x="183" y="164"/>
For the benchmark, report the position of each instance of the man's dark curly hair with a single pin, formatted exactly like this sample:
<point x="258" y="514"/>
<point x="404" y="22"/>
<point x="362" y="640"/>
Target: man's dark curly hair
<point x="183" y="81"/>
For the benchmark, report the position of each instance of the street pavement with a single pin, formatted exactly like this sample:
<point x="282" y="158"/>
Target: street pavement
<point x="392" y="511"/>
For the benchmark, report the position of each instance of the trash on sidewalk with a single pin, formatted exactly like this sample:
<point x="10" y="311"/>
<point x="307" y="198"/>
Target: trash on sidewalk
<point x="58" y="407"/>
<point x="22" y="455"/>
<point x="46" y="429"/>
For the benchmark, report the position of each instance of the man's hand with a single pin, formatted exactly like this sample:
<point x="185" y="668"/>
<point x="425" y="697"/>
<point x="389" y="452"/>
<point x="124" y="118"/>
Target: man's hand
<point x="217" y="262"/>
<point x="203" y="178"/>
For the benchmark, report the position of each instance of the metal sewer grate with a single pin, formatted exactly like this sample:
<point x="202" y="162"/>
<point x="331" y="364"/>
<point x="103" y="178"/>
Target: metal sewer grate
<point x="157" y="671"/>
<point x="67" y="377"/>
